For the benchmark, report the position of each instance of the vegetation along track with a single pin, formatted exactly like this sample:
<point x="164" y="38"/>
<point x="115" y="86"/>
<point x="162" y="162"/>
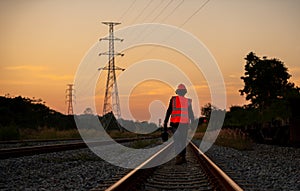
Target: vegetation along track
<point x="199" y="173"/>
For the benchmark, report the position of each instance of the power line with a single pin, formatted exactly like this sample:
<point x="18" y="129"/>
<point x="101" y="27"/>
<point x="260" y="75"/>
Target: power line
<point x="186" y="21"/>
<point x="144" y="36"/>
<point x="173" y="11"/>
<point x="127" y="10"/>
<point x="153" y="10"/>
<point x="178" y="5"/>
<point x="136" y="18"/>
<point x="197" y="11"/>
<point x="162" y="10"/>
<point x="140" y="14"/>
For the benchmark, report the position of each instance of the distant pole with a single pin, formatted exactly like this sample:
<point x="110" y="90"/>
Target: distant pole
<point x="69" y="98"/>
<point x="111" y="99"/>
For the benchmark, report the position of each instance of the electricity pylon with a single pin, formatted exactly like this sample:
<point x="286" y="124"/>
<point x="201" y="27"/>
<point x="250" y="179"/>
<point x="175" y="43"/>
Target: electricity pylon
<point x="111" y="99"/>
<point x="69" y="98"/>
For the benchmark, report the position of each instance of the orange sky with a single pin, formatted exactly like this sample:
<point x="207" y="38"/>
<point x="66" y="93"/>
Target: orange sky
<point x="44" y="41"/>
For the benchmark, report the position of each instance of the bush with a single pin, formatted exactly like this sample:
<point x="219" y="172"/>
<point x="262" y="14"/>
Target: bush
<point x="10" y="132"/>
<point x="229" y="138"/>
<point x="48" y="133"/>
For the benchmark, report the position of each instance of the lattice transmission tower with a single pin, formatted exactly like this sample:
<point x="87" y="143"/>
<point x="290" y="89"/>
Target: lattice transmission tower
<point x="69" y="98"/>
<point x="111" y="99"/>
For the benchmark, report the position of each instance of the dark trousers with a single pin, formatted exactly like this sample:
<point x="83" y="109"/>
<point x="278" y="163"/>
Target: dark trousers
<point x="180" y="138"/>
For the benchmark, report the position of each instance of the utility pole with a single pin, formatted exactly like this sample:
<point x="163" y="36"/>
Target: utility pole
<point x="69" y="98"/>
<point x="111" y="99"/>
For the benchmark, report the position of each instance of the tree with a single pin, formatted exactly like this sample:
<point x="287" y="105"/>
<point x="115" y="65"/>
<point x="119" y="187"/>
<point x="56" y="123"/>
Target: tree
<point x="241" y="117"/>
<point x="266" y="81"/>
<point x="206" y="110"/>
<point x="26" y="113"/>
<point x="88" y="111"/>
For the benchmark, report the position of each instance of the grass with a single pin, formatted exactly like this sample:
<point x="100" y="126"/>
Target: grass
<point x="48" y="133"/>
<point x="9" y="132"/>
<point x="143" y="143"/>
<point x="118" y="134"/>
<point x="126" y="134"/>
<point x="13" y="133"/>
<point x="234" y="139"/>
<point x="228" y="138"/>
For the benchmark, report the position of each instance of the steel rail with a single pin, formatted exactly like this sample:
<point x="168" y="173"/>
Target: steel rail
<point x="37" y="140"/>
<point x="219" y="179"/>
<point x="133" y="175"/>
<point x="33" y="150"/>
<point x="223" y="179"/>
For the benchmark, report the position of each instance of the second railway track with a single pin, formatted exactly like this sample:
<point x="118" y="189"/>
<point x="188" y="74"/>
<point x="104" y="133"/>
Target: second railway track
<point x="33" y="150"/>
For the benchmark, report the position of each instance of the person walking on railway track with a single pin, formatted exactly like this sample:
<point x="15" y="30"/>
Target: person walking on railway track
<point x="181" y="112"/>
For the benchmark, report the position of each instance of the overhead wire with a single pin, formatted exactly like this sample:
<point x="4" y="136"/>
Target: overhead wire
<point x="162" y="10"/>
<point x="192" y="15"/>
<point x="139" y="14"/>
<point x="180" y="26"/>
<point x="144" y="9"/>
<point x="153" y="10"/>
<point x="179" y="4"/>
<point x="150" y="14"/>
<point x="142" y="33"/>
<point x="127" y="10"/>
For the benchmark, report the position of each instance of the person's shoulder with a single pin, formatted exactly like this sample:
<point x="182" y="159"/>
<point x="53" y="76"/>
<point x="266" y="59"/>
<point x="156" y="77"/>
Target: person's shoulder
<point x="173" y="97"/>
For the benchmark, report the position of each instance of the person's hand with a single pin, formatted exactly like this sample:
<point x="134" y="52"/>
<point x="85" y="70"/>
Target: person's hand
<point x="164" y="134"/>
<point x="165" y="127"/>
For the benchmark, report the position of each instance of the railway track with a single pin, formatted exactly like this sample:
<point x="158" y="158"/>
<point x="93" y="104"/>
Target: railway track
<point x="199" y="173"/>
<point x="28" y="141"/>
<point x="33" y="150"/>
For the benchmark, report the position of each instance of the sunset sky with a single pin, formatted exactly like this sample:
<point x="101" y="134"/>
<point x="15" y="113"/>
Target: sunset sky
<point x="44" y="41"/>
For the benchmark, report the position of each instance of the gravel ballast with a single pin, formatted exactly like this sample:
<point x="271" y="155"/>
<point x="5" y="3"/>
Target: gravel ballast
<point x="69" y="170"/>
<point x="264" y="168"/>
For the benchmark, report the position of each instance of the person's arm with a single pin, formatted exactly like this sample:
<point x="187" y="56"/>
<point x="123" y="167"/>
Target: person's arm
<point x="168" y="113"/>
<point x="191" y="113"/>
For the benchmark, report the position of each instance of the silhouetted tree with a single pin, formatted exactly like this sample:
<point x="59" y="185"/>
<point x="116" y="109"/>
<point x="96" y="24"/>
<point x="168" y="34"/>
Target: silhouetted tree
<point x="88" y="111"/>
<point x="32" y="114"/>
<point x="266" y="81"/>
<point x="206" y="110"/>
<point x="241" y="117"/>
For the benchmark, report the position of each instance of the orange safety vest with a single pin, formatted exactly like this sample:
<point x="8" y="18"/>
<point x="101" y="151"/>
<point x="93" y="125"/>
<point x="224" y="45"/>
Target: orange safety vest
<point x="180" y="113"/>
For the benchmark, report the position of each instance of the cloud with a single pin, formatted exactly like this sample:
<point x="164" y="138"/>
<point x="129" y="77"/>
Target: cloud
<point x="16" y="82"/>
<point x="57" y="77"/>
<point x="294" y="69"/>
<point x="199" y="87"/>
<point x="232" y="76"/>
<point x="37" y="72"/>
<point x="26" y="67"/>
<point x="295" y="72"/>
